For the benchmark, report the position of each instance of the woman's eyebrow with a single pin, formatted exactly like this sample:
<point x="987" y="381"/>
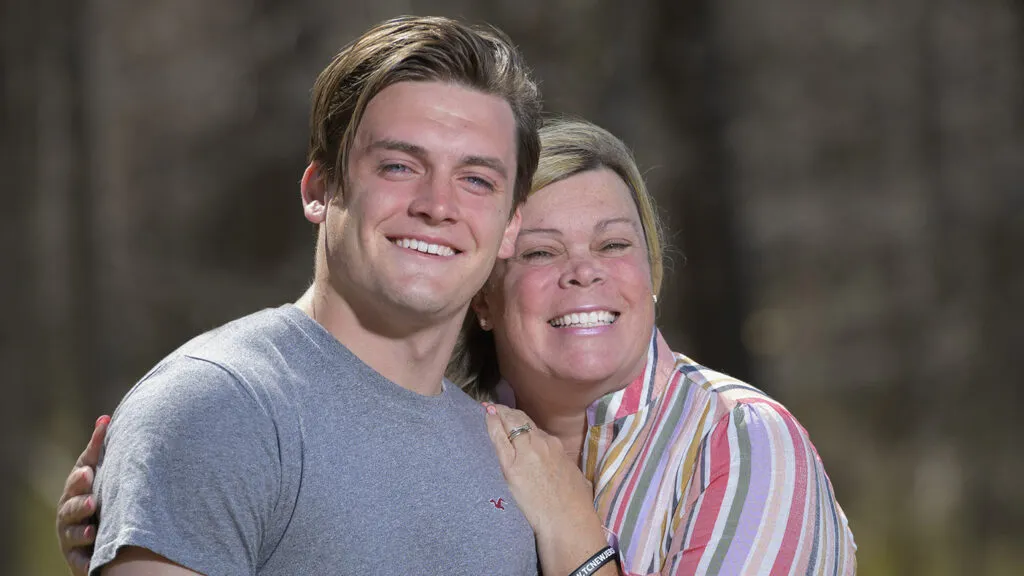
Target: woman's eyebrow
<point x="600" y="226"/>
<point x="603" y="224"/>
<point x="550" y="231"/>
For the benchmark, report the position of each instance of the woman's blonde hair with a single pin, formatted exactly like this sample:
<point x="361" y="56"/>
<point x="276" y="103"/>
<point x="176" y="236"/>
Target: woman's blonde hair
<point x="569" y="146"/>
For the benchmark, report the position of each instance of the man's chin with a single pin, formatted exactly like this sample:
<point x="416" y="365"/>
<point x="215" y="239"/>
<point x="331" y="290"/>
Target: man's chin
<point x="427" y="303"/>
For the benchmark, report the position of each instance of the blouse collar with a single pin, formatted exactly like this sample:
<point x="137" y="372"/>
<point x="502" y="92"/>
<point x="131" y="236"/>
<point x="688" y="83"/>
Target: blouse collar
<point x="641" y="392"/>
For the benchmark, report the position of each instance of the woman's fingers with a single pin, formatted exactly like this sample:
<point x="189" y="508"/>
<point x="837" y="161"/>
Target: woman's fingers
<point x="91" y="455"/>
<point x="78" y="561"/>
<point x="78" y="536"/>
<point x="77" y="504"/>
<point x="496" y="430"/>
<point x="78" y="483"/>
<point x="76" y="510"/>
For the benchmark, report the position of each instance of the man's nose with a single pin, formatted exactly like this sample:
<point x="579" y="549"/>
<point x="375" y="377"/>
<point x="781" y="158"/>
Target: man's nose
<point x="436" y="200"/>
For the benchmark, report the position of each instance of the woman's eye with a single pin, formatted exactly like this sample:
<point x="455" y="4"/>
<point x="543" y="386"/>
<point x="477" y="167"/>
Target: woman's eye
<point x="615" y="246"/>
<point x="533" y="255"/>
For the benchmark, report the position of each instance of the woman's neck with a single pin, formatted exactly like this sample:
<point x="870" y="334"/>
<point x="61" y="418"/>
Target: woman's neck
<point x="567" y="422"/>
<point x="558" y="406"/>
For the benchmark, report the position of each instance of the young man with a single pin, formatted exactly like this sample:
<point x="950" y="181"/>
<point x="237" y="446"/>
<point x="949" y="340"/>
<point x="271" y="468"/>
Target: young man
<point x="320" y="437"/>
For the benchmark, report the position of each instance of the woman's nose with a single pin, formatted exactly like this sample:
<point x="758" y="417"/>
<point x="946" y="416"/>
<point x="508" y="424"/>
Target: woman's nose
<point x="582" y="272"/>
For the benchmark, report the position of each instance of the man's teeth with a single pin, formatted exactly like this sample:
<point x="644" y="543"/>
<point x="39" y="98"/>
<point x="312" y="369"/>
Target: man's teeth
<point x="421" y="246"/>
<point x="584" y="319"/>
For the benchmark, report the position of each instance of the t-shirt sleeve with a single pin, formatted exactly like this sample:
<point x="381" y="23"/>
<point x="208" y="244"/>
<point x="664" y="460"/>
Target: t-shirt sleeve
<point x="191" y="471"/>
<point x="760" y="502"/>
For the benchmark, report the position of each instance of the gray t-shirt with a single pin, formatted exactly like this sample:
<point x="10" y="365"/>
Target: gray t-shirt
<point x="266" y="447"/>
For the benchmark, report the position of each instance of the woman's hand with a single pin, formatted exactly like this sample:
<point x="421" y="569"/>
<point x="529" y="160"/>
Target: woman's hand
<point x="549" y="489"/>
<point x="76" y="525"/>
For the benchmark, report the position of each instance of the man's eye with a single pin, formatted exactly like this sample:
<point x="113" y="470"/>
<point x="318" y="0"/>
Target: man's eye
<point x="480" y="182"/>
<point x="394" y="168"/>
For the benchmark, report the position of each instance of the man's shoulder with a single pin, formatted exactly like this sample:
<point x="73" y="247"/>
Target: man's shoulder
<point x="461" y="399"/>
<point x="251" y="334"/>
<point x="269" y="346"/>
<point x="251" y="355"/>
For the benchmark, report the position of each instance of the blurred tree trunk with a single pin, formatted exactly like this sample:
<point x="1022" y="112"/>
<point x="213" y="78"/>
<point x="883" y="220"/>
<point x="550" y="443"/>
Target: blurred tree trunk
<point x="16" y="158"/>
<point x="48" y="344"/>
<point x="710" y="304"/>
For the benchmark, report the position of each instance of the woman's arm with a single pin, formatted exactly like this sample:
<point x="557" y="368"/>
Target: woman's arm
<point x="759" y="502"/>
<point x="551" y="492"/>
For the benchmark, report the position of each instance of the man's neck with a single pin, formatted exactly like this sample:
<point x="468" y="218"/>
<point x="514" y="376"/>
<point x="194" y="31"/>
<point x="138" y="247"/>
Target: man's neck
<point x="415" y="360"/>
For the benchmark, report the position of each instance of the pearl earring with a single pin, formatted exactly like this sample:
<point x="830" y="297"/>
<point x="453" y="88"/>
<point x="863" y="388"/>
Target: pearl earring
<point x="484" y="324"/>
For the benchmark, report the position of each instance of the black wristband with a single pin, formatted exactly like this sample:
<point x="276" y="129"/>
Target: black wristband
<point x="604" y="556"/>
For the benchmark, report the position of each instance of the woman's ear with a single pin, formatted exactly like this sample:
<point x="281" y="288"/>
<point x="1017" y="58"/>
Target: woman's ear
<point x="315" y="193"/>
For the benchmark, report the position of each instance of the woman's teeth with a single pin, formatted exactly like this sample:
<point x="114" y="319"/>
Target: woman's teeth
<point x="584" y="319"/>
<point x="421" y="246"/>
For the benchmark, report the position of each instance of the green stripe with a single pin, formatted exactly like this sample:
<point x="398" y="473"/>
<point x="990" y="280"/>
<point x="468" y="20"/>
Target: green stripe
<point x="742" y="487"/>
<point x="635" y="505"/>
<point x="601" y="413"/>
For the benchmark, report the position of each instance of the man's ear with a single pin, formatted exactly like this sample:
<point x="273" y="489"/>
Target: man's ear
<point x="508" y="240"/>
<point x="315" y="191"/>
<point x="482" y="309"/>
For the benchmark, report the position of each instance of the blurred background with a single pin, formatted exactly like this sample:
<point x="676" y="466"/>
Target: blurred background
<point x="844" y="183"/>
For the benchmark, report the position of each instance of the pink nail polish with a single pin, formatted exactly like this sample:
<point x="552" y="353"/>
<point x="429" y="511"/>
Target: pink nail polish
<point x="88" y="503"/>
<point x="492" y="410"/>
<point x="102" y="420"/>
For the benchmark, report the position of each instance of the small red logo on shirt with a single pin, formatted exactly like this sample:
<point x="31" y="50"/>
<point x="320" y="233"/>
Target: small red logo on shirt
<point x="497" y="503"/>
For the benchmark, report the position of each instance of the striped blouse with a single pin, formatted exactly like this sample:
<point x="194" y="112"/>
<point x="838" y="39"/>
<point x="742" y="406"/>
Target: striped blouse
<point x="695" y="472"/>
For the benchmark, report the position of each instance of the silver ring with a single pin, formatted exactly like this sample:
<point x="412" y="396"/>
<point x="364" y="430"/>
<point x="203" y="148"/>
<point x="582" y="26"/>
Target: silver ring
<point x="515" y="432"/>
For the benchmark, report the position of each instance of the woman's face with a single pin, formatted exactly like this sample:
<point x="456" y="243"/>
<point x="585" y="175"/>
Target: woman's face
<point x="574" y="302"/>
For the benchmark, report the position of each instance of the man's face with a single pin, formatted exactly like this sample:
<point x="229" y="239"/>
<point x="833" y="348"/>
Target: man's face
<point x="425" y="209"/>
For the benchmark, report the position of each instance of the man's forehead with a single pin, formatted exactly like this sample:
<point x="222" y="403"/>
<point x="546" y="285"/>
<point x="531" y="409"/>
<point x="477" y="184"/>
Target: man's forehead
<point x="438" y="115"/>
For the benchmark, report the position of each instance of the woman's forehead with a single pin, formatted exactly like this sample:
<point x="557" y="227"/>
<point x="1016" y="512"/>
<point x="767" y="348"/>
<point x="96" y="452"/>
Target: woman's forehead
<point x="591" y="198"/>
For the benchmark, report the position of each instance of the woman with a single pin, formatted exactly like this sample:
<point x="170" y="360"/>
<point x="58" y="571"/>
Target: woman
<point x="684" y="470"/>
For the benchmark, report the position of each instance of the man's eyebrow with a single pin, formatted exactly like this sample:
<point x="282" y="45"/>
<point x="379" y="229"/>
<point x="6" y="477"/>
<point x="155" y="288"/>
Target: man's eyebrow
<point x="486" y="162"/>
<point x="420" y="152"/>
<point x="399" y="146"/>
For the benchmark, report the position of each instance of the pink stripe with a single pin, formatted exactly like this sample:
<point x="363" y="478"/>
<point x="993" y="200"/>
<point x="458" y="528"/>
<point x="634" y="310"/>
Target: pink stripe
<point x="631" y="398"/>
<point x="704" y="527"/>
<point x="626" y="495"/>
<point x="791" y="538"/>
